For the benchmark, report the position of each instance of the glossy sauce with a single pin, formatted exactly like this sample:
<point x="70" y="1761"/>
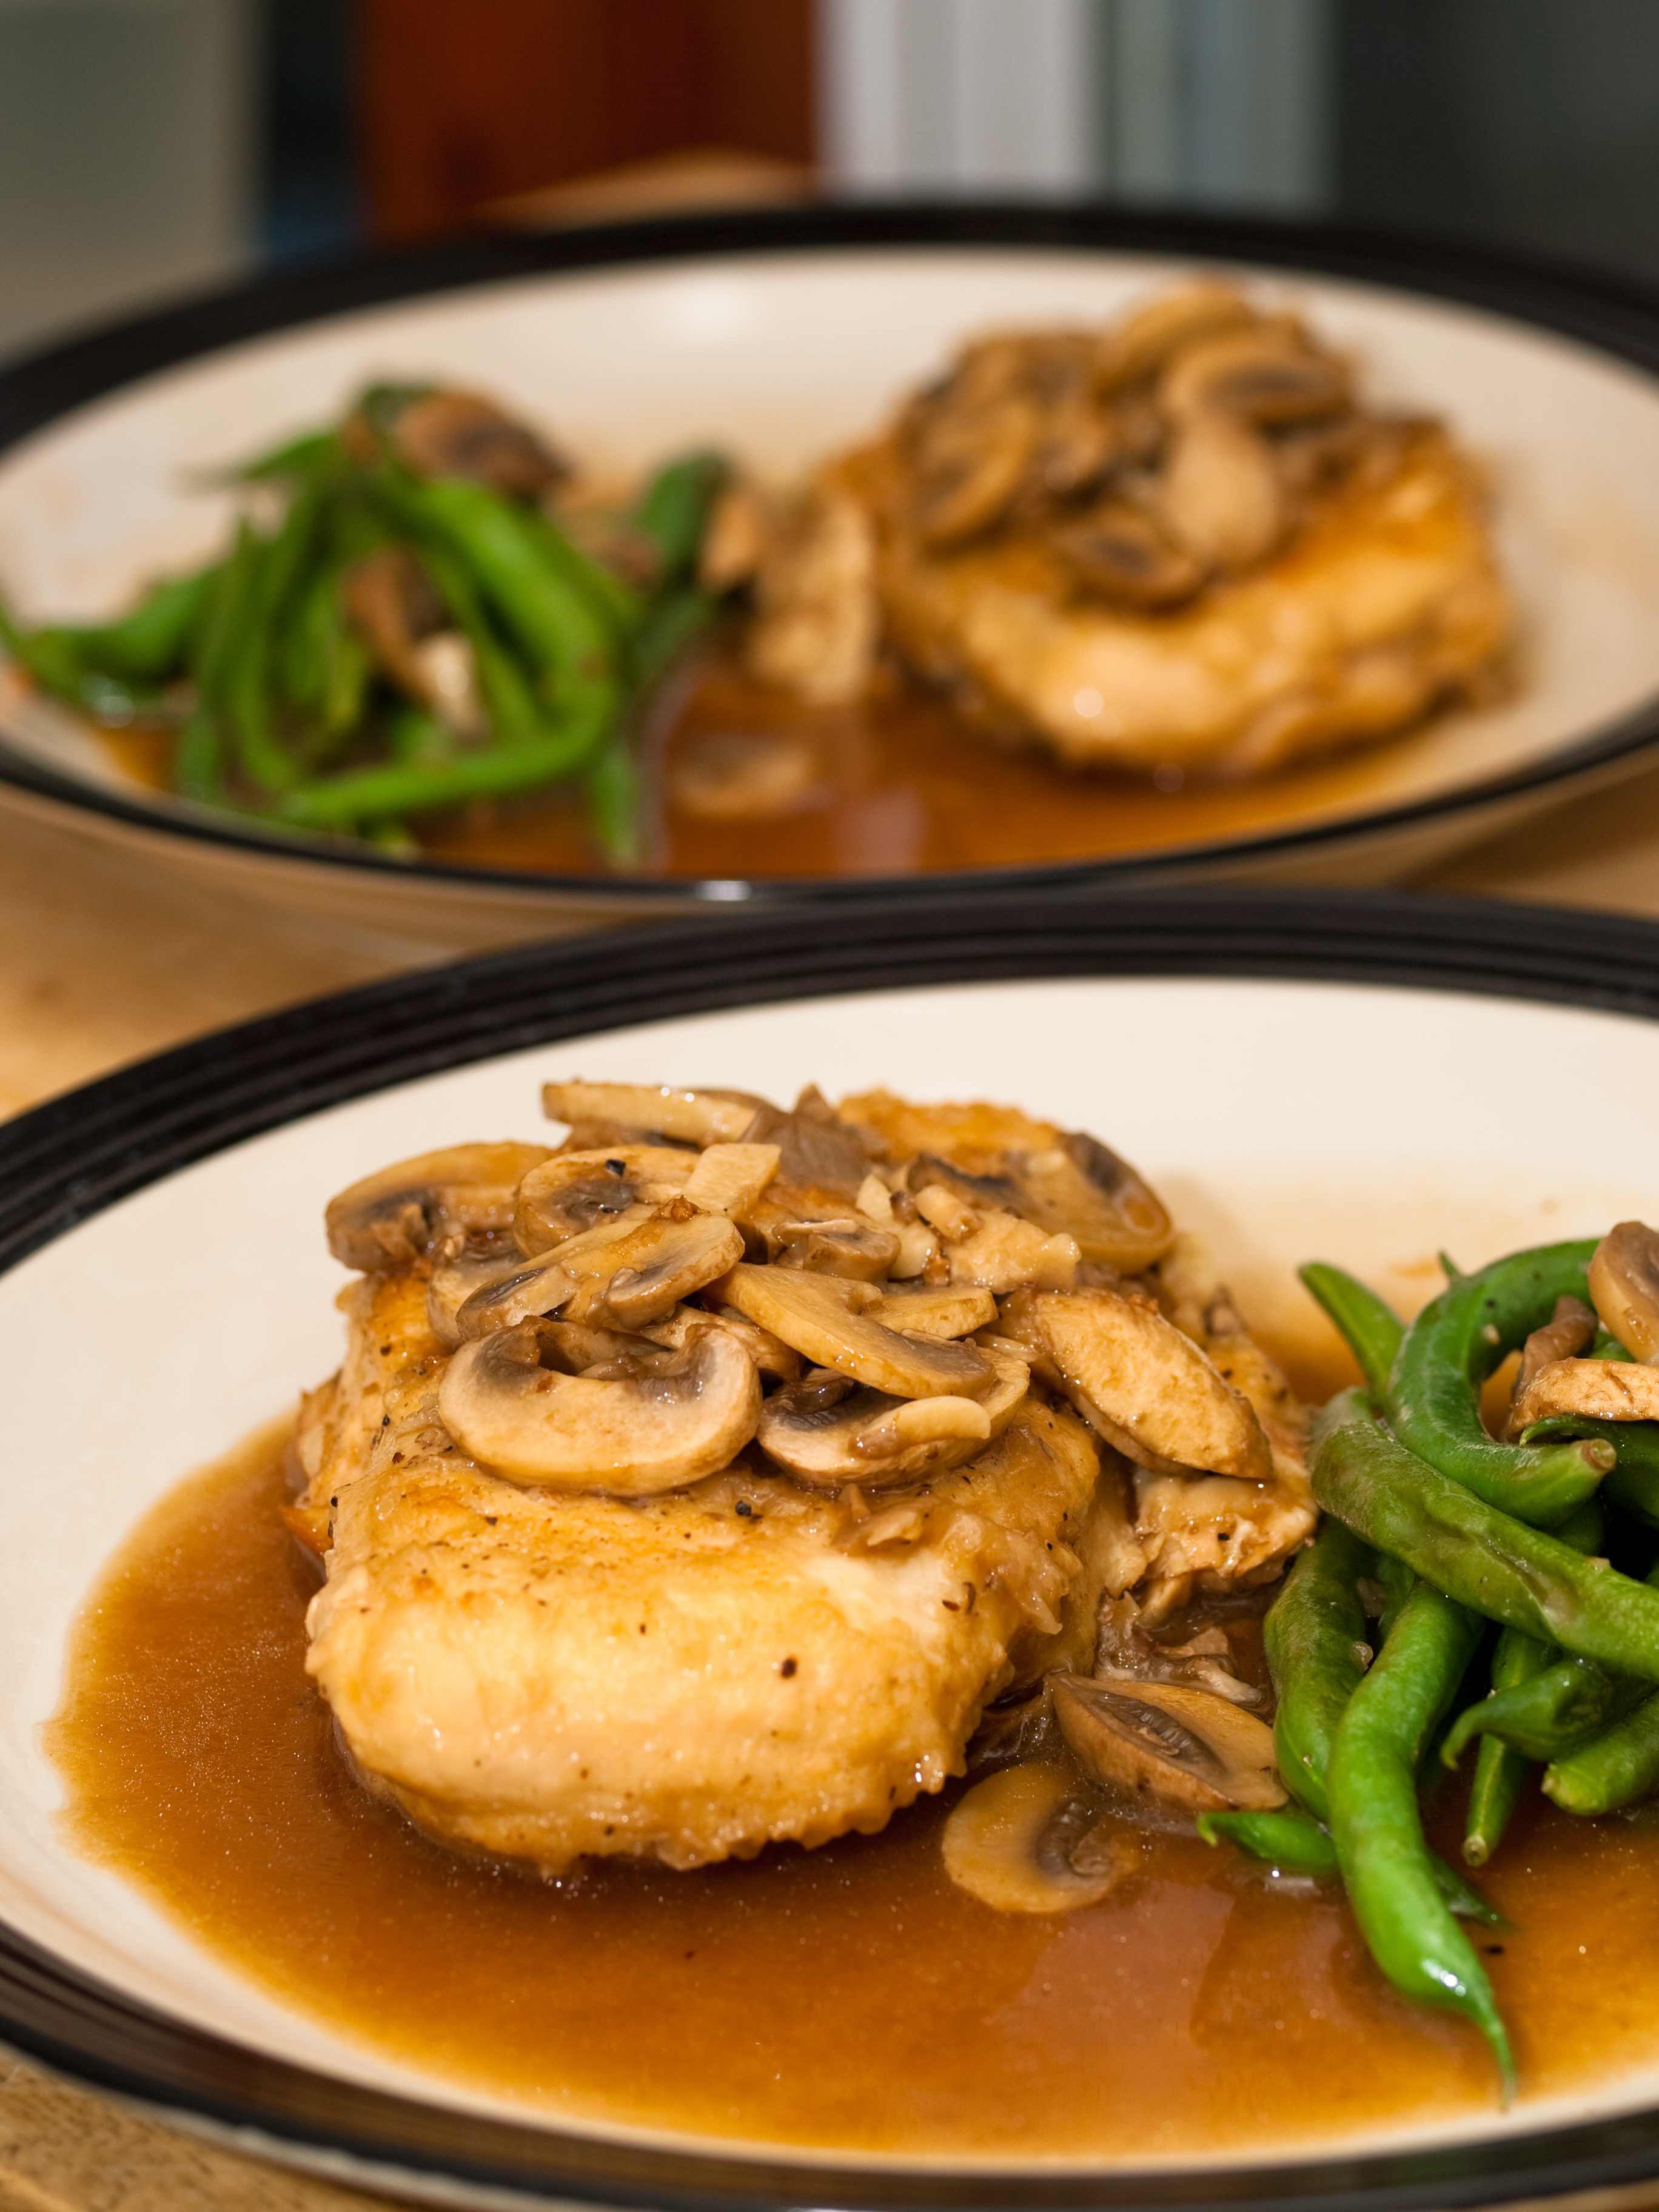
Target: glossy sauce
<point x="847" y="1997"/>
<point x="897" y="785"/>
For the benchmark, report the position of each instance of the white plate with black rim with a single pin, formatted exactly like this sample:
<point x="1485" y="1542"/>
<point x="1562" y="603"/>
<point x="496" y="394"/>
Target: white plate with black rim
<point x="1357" y="1075"/>
<point x="779" y="335"/>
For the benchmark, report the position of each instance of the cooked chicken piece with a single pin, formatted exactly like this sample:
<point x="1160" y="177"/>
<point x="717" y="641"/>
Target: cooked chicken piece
<point x="685" y="1677"/>
<point x="1177" y="542"/>
<point x="1387" y="601"/>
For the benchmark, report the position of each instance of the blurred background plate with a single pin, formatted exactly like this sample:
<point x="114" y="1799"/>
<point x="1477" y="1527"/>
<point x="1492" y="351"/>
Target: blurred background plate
<point x="779" y="334"/>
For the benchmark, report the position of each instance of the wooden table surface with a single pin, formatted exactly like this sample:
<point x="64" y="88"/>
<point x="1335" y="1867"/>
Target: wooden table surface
<point x="101" y="961"/>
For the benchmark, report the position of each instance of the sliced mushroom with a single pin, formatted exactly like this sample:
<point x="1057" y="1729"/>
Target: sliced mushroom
<point x="1143" y="340"/>
<point x="862" y="1251"/>
<point x="460" y="434"/>
<point x="643" y="1273"/>
<point x="1084" y="1189"/>
<point x="735" y="537"/>
<point x="729" y="1178"/>
<point x="1267" y="374"/>
<point x="817" y="1151"/>
<point x="1140" y="1383"/>
<point x="395" y="1217"/>
<point x="1023" y="1840"/>
<point x="1187" y="1748"/>
<point x="808" y="1314"/>
<point x="576" y="1191"/>
<point x="473" y="1291"/>
<point x="1568" y="1332"/>
<point x="1624" y="1285"/>
<point x="831" y="1432"/>
<point x="770" y="1354"/>
<point x="952" y="1309"/>
<point x="691" y="1117"/>
<point x="1220" y="497"/>
<point x="392" y="604"/>
<point x="634" y="1436"/>
<point x="817" y="622"/>
<point x="1120" y="555"/>
<point x="968" y="465"/>
<point x="744" y="775"/>
<point x="1591" y="1390"/>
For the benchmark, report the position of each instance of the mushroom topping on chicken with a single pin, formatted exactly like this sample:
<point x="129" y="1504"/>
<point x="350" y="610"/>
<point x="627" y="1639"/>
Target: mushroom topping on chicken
<point x="654" y="1421"/>
<point x="1181" y="542"/>
<point x="395" y="1217"/>
<point x="748" y="1431"/>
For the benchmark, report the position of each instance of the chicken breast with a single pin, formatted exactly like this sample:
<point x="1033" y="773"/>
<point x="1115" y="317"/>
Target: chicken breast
<point x="1386" y="602"/>
<point x="687" y="1677"/>
<point x="696" y="1486"/>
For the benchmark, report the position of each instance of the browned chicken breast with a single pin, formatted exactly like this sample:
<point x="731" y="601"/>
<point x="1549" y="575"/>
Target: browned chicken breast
<point x="698" y="1485"/>
<point x="1176" y="543"/>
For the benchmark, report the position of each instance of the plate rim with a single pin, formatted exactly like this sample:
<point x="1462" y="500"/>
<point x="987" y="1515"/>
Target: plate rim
<point x="1613" y="315"/>
<point x="73" y="1156"/>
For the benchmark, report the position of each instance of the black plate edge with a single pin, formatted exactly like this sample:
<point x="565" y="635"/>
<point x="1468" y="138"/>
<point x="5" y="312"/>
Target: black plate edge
<point x="76" y="1154"/>
<point x="1615" y="315"/>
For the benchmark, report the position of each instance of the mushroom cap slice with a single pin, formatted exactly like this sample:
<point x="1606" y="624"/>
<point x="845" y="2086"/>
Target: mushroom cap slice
<point x="1267" y="373"/>
<point x="1023" y="1841"/>
<point x="1144" y="338"/>
<point x="393" y="1219"/>
<point x="769" y="1354"/>
<point x="1591" y="1390"/>
<point x="1187" y="1748"/>
<point x="471" y="1291"/>
<point x="1222" y="499"/>
<point x="809" y="1313"/>
<point x="1624" y="1285"/>
<point x="1566" y="1334"/>
<point x="1140" y="1383"/>
<point x="453" y="433"/>
<point x="951" y="1309"/>
<point x="1074" y="1186"/>
<point x="691" y="1117"/>
<point x="571" y="1192"/>
<point x="862" y="1251"/>
<point x="636" y="1271"/>
<point x="630" y="1437"/>
<point x="830" y="1432"/>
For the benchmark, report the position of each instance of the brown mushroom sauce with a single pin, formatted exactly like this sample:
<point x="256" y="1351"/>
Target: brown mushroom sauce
<point x="662" y="2000"/>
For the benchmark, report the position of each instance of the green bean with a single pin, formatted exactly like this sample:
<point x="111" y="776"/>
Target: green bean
<point x="611" y="788"/>
<point x="1433" y="1398"/>
<point x="1371" y="1329"/>
<point x="673" y="510"/>
<point x="514" y="717"/>
<point x="1617" y="1768"/>
<point x="613" y="595"/>
<point x="1551" y="1712"/>
<point x="309" y="454"/>
<point x="672" y="622"/>
<point x="1290" y="1840"/>
<point x="365" y="794"/>
<point x="264" y="760"/>
<point x="1297" y="1843"/>
<point x="51" y="658"/>
<point x="1500" y="1772"/>
<point x="1633" y="1482"/>
<point x="1377" y="1828"/>
<point x="1483" y="1558"/>
<point x="149" y="643"/>
<point x="1606" y="1346"/>
<point x="1317" y="1655"/>
<point x="198" y="761"/>
<point x="415" y="734"/>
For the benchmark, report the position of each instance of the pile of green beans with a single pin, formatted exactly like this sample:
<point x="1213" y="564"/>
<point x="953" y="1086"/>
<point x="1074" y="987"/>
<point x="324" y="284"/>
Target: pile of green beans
<point x="1379" y="1643"/>
<point x="277" y="708"/>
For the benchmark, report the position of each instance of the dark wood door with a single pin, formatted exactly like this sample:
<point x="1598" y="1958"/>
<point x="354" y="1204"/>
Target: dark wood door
<point x="467" y="101"/>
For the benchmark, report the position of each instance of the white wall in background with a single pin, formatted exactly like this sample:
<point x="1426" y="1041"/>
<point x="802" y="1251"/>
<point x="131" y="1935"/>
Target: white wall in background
<point x="1204" y="102"/>
<point x="126" y="154"/>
